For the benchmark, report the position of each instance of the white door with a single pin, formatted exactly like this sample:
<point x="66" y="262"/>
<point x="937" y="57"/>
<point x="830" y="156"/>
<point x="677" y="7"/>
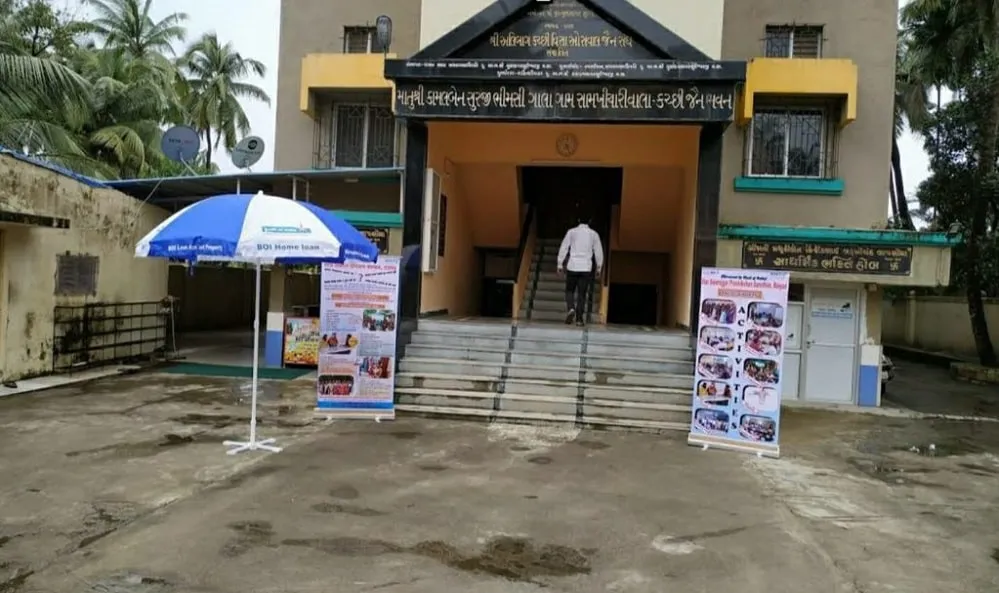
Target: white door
<point x="831" y="344"/>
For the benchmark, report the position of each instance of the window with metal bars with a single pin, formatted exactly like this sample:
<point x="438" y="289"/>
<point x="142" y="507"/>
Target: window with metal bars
<point x="793" y="41"/>
<point x="363" y="136"/>
<point x="787" y="142"/>
<point x="359" y="40"/>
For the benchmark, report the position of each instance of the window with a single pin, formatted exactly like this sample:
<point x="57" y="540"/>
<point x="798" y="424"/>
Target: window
<point x="787" y="142"/>
<point x="359" y="40"/>
<point x="76" y="275"/>
<point x="791" y="41"/>
<point x="363" y="136"/>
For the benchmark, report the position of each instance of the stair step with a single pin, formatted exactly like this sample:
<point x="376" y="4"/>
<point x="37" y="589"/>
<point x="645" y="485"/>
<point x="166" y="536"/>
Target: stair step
<point x="549" y="358"/>
<point x="591" y="378"/>
<point x="596" y="344"/>
<point x="562" y="388"/>
<point x="534" y="418"/>
<point x="546" y="404"/>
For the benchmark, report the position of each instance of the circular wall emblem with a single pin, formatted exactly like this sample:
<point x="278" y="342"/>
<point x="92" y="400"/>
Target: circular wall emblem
<point x="567" y="144"/>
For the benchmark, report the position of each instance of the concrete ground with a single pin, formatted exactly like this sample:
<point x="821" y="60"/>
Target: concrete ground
<point x="122" y="485"/>
<point x="930" y="390"/>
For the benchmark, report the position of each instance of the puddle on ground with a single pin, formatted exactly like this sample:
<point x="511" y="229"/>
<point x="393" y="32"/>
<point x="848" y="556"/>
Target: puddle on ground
<point x="979" y="470"/>
<point x="131" y="583"/>
<point x="515" y="559"/>
<point x="433" y="467"/>
<point x="247" y="536"/>
<point x="951" y="448"/>
<point x="149" y="448"/>
<point x="344" y="492"/>
<point x="15" y="583"/>
<point x="893" y="474"/>
<point x="405" y="435"/>
<point x="540" y="460"/>
<point x="592" y="445"/>
<point x="330" y="508"/>
<point x="995" y="554"/>
<point x="520" y="448"/>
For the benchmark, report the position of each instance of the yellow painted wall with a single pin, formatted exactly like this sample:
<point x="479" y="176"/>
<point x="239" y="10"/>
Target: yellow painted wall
<point x="454" y="287"/>
<point x="701" y="27"/>
<point x="103" y="222"/>
<point x="344" y="72"/>
<point x="478" y="163"/>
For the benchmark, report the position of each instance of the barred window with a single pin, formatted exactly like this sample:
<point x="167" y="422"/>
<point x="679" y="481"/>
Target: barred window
<point x="787" y="143"/>
<point x="791" y="41"/>
<point x="363" y="136"/>
<point x="359" y="40"/>
<point x="76" y="275"/>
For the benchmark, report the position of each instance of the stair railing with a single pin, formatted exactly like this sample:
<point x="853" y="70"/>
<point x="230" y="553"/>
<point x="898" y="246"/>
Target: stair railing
<point x="525" y="253"/>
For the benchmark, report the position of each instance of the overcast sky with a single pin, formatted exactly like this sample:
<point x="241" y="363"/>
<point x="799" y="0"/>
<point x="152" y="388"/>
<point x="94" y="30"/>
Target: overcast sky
<point x="252" y="26"/>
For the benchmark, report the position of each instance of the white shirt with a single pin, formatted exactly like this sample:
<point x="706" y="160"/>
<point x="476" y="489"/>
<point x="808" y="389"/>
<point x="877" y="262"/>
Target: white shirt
<point x="581" y="244"/>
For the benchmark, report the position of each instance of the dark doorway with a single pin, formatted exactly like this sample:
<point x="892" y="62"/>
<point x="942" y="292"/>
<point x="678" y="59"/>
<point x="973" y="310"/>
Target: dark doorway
<point x="563" y="194"/>
<point x="633" y="304"/>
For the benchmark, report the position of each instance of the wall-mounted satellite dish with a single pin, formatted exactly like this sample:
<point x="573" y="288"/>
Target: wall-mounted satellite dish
<point x="181" y="144"/>
<point x="248" y="152"/>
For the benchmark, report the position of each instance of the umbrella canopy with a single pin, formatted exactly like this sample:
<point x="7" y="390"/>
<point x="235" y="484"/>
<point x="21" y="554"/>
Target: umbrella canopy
<point x="256" y="229"/>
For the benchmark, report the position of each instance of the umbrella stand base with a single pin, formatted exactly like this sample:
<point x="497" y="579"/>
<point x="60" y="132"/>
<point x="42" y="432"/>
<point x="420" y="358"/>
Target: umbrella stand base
<point x="242" y="446"/>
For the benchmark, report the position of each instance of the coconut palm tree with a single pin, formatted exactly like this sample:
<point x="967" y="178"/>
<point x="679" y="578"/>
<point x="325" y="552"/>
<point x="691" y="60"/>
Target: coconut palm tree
<point x="214" y="76"/>
<point x="36" y="89"/>
<point x="128" y="25"/>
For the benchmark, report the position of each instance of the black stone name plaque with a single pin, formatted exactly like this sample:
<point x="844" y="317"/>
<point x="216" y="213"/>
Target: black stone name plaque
<point x="828" y="258"/>
<point x="560" y="29"/>
<point x="567" y="70"/>
<point x="566" y="101"/>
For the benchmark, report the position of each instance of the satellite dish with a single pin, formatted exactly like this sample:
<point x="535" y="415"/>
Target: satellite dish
<point x="248" y="152"/>
<point x="181" y="144"/>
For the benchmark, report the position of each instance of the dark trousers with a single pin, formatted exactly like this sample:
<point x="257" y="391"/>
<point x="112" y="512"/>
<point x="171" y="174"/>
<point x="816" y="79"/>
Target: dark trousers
<point x="577" y="291"/>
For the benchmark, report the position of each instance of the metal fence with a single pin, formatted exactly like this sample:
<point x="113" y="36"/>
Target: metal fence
<point x="108" y="333"/>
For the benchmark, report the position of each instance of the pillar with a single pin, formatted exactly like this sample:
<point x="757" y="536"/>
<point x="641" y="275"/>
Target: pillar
<point x="275" y="307"/>
<point x="413" y="181"/>
<point x="706" y="211"/>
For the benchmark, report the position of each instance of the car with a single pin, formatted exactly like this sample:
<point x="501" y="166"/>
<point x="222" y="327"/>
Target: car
<point x="887" y="372"/>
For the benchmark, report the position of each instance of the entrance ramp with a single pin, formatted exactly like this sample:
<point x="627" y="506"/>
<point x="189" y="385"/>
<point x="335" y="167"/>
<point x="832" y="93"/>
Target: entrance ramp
<point x="631" y="378"/>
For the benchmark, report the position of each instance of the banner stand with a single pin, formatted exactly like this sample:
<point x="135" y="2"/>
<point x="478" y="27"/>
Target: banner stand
<point x="358" y="317"/>
<point x="739" y="361"/>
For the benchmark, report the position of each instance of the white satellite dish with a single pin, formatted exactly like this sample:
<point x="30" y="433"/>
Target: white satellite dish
<point x="248" y="152"/>
<point x="181" y="144"/>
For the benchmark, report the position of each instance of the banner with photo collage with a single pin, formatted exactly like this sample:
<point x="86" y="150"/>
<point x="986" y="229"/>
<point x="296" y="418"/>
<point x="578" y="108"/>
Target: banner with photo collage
<point x="739" y="363"/>
<point x="358" y="311"/>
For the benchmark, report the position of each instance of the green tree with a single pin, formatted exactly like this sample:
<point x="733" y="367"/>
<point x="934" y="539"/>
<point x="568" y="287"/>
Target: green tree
<point x="215" y="81"/>
<point x="911" y="111"/>
<point x="38" y="87"/>
<point x="967" y="33"/>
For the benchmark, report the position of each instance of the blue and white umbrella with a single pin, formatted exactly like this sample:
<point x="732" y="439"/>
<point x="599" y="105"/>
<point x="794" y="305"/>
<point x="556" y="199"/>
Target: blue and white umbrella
<point x="258" y="229"/>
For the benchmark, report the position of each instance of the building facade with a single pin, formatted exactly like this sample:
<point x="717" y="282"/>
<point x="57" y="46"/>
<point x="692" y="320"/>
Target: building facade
<point x="745" y="134"/>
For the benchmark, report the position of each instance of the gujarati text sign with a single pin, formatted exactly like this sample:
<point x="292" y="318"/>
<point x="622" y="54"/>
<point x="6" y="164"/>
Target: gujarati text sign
<point x="828" y="258"/>
<point x="636" y="102"/>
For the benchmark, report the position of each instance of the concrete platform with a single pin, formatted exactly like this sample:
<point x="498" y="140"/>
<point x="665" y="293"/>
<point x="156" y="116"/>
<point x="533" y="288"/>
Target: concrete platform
<point x="123" y="487"/>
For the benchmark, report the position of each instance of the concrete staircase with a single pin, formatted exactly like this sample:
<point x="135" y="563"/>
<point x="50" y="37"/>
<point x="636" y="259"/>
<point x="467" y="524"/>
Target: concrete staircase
<point x="542" y="372"/>
<point x="544" y="298"/>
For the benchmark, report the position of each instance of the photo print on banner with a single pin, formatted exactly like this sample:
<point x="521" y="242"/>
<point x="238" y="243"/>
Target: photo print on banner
<point x="740" y="355"/>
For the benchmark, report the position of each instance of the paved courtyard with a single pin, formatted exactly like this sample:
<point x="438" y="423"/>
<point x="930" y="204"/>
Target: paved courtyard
<point x="122" y="485"/>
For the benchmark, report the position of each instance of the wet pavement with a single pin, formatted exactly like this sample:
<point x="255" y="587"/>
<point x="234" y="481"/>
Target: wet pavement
<point x="123" y="486"/>
<point x="929" y="389"/>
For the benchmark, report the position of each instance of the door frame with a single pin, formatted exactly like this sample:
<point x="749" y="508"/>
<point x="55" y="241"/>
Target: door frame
<point x="858" y="319"/>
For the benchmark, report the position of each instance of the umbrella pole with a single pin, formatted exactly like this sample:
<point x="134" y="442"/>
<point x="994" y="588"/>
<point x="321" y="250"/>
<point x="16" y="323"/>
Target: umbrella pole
<point x="253" y="444"/>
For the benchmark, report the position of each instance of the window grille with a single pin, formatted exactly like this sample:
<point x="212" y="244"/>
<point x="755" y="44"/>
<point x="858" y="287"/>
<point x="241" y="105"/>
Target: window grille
<point x="787" y="143"/>
<point x="792" y="41"/>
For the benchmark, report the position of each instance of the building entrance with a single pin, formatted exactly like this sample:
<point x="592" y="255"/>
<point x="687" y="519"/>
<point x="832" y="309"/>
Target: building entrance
<point x="564" y="195"/>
